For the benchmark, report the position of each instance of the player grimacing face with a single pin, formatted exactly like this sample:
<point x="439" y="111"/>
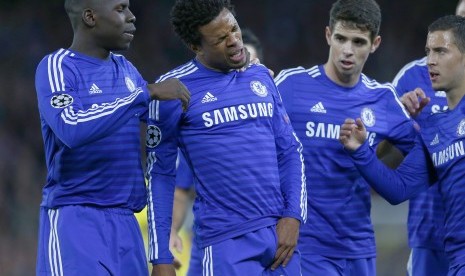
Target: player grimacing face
<point x="349" y="48"/>
<point x="221" y="48"/>
<point x="446" y="64"/>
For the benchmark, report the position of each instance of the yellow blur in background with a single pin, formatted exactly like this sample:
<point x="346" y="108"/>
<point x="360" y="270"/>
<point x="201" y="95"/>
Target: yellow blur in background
<point x="186" y="242"/>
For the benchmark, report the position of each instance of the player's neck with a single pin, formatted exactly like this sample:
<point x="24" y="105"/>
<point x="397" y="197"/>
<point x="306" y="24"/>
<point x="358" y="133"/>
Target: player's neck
<point x="454" y="96"/>
<point x="345" y="80"/>
<point x="88" y="48"/>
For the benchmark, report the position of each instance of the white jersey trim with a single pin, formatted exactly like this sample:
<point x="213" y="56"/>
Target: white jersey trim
<point x="54" y="253"/>
<point x="419" y="62"/>
<point x="73" y="118"/>
<point x="152" y="233"/>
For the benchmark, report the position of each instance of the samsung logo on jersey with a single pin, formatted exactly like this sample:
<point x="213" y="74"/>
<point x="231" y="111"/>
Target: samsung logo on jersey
<point x="448" y="154"/>
<point x="234" y="113"/>
<point x="329" y="131"/>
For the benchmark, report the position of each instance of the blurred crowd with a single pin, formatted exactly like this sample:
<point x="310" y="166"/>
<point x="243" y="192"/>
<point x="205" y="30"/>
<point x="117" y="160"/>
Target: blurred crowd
<point x="292" y="33"/>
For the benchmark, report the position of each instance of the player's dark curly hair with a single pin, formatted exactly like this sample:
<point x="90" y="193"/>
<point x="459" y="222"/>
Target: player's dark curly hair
<point x="362" y="14"/>
<point x="188" y="15"/>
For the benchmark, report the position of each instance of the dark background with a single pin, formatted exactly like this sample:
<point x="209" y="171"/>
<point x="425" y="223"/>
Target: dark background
<point x="292" y="33"/>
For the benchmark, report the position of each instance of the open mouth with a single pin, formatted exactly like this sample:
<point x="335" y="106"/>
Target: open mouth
<point x="346" y="64"/>
<point x="433" y="75"/>
<point x="237" y="56"/>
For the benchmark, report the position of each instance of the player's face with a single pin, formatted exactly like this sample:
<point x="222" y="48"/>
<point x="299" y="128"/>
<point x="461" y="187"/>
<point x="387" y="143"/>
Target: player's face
<point x="114" y="24"/>
<point x="221" y="47"/>
<point x="349" y="48"/>
<point x="446" y="64"/>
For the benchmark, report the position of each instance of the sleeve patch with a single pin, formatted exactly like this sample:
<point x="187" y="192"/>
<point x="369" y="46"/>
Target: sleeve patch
<point x="61" y="101"/>
<point x="153" y="136"/>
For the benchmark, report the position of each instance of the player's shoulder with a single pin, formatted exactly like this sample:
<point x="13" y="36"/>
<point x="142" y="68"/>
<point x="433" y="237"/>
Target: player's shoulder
<point x="257" y="68"/>
<point x="290" y="73"/>
<point x="57" y="57"/>
<point x="123" y="62"/>
<point x="410" y="68"/>
<point x="373" y="85"/>
<point x="414" y="64"/>
<point x="121" y="59"/>
<point x="181" y="72"/>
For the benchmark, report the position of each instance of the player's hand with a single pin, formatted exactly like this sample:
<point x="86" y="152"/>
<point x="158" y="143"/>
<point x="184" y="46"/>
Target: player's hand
<point x="177" y="263"/>
<point x="176" y="244"/>
<point x="175" y="241"/>
<point x="414" y="101"/>
<point x="170" y="89"/>
<point x="163" y="270"/>
<point x="271" y="72"/>
<point x="288" y="234"/>
<point x="253" y="61"/>
<point x="353" y="133"/>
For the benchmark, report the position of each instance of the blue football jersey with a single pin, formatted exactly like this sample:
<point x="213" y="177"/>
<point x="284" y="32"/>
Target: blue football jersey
<point x="438" y="155"/>
<point x="239" y="143"/>
<point x="90" y="112"/>
<point x="338" y="196"/>
<point x="426" y="211"/>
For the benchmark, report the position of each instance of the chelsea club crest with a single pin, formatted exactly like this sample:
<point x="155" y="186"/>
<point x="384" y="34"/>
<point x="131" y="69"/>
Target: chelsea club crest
<point x="130" y="84"/>
<point x="368" y="117"/>
<point x="461" y="128"/>
<point x="258" y="88"/>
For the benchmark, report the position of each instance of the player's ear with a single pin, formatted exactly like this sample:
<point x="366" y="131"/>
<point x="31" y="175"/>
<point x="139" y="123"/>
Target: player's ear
<point x="328" y="35"/>
<point x="196" y="49"/>
<point x="375" y="44"/>
<point x="88" y="17"/>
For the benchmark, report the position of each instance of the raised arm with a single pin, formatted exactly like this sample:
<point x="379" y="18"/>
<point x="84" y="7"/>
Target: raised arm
<point x="396" y="186"/>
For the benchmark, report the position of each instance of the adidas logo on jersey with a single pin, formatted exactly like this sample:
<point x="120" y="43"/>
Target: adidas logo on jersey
<point x="209" y="98"/>
<point x="94" y="89"/>
<point x="319" y="108"/>
<point x="435" y="140"/>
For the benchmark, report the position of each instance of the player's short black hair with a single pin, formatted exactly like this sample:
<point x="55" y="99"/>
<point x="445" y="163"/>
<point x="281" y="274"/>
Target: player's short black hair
<point x="248" y="37"/>
<point x="362" y="14"/>
<point x="453" y="23"/>
<point x="188" y="15"/>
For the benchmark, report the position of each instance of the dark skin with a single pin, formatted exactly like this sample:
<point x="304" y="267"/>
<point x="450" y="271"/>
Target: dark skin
<point x="104" y="26"/>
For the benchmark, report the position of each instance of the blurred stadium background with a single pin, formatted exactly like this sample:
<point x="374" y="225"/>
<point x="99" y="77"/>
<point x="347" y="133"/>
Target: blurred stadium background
<point x="292" y="33"/>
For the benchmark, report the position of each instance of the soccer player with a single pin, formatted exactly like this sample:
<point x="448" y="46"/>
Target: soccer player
<point x="240" y="146"/>
<point x="91" y="102"/>
<point x="438" y="154"/>
<point x="184" y="178"/>
<point x="426" y="211"/>
<point x="339" y="240"/>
